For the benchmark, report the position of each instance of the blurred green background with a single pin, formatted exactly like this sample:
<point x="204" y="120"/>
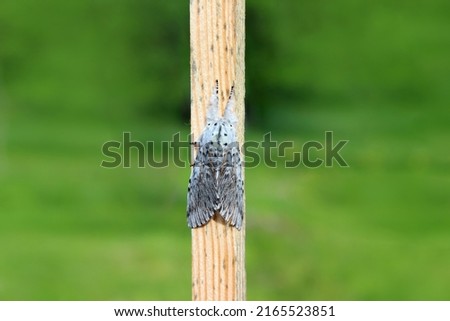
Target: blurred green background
<point x="75" y="74"/>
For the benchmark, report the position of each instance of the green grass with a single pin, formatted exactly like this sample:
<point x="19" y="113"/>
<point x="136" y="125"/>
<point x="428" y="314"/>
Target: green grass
<point x="378" y="230"/>
<point x="73" y="230"/>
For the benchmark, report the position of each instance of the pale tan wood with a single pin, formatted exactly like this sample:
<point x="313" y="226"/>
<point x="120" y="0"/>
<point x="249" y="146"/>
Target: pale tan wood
<point x="217" y="37"/>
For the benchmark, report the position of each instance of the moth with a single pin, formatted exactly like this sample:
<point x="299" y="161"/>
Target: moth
<point x="216" y="185"/>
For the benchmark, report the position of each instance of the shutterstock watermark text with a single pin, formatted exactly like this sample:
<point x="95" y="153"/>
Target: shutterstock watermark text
<point x="129" y="153"/>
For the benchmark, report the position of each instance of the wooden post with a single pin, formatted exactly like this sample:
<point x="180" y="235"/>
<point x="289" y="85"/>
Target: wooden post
<point x="217" y="33"/>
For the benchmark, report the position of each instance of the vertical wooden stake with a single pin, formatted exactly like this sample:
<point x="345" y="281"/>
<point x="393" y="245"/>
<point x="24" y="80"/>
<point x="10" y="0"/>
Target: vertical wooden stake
<point x="217" y="32"/>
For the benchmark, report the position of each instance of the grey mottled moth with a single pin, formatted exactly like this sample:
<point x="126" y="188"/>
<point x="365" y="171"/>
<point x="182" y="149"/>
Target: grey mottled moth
<point x="216" y="184"/>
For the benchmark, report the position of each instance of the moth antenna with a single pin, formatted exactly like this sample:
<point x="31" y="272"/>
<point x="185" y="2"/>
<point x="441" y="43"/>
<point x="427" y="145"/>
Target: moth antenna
<point x="231" y="92"/>
<point x="213" y="107"/>
<point x="229" y="109"/>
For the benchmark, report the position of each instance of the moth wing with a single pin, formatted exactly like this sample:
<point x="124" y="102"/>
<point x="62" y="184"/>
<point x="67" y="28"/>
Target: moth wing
<point x="201" y="192"/>
<point x="231" y="187"/>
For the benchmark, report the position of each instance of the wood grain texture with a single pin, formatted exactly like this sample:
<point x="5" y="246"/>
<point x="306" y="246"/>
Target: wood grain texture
<point x="217" y="38"/>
